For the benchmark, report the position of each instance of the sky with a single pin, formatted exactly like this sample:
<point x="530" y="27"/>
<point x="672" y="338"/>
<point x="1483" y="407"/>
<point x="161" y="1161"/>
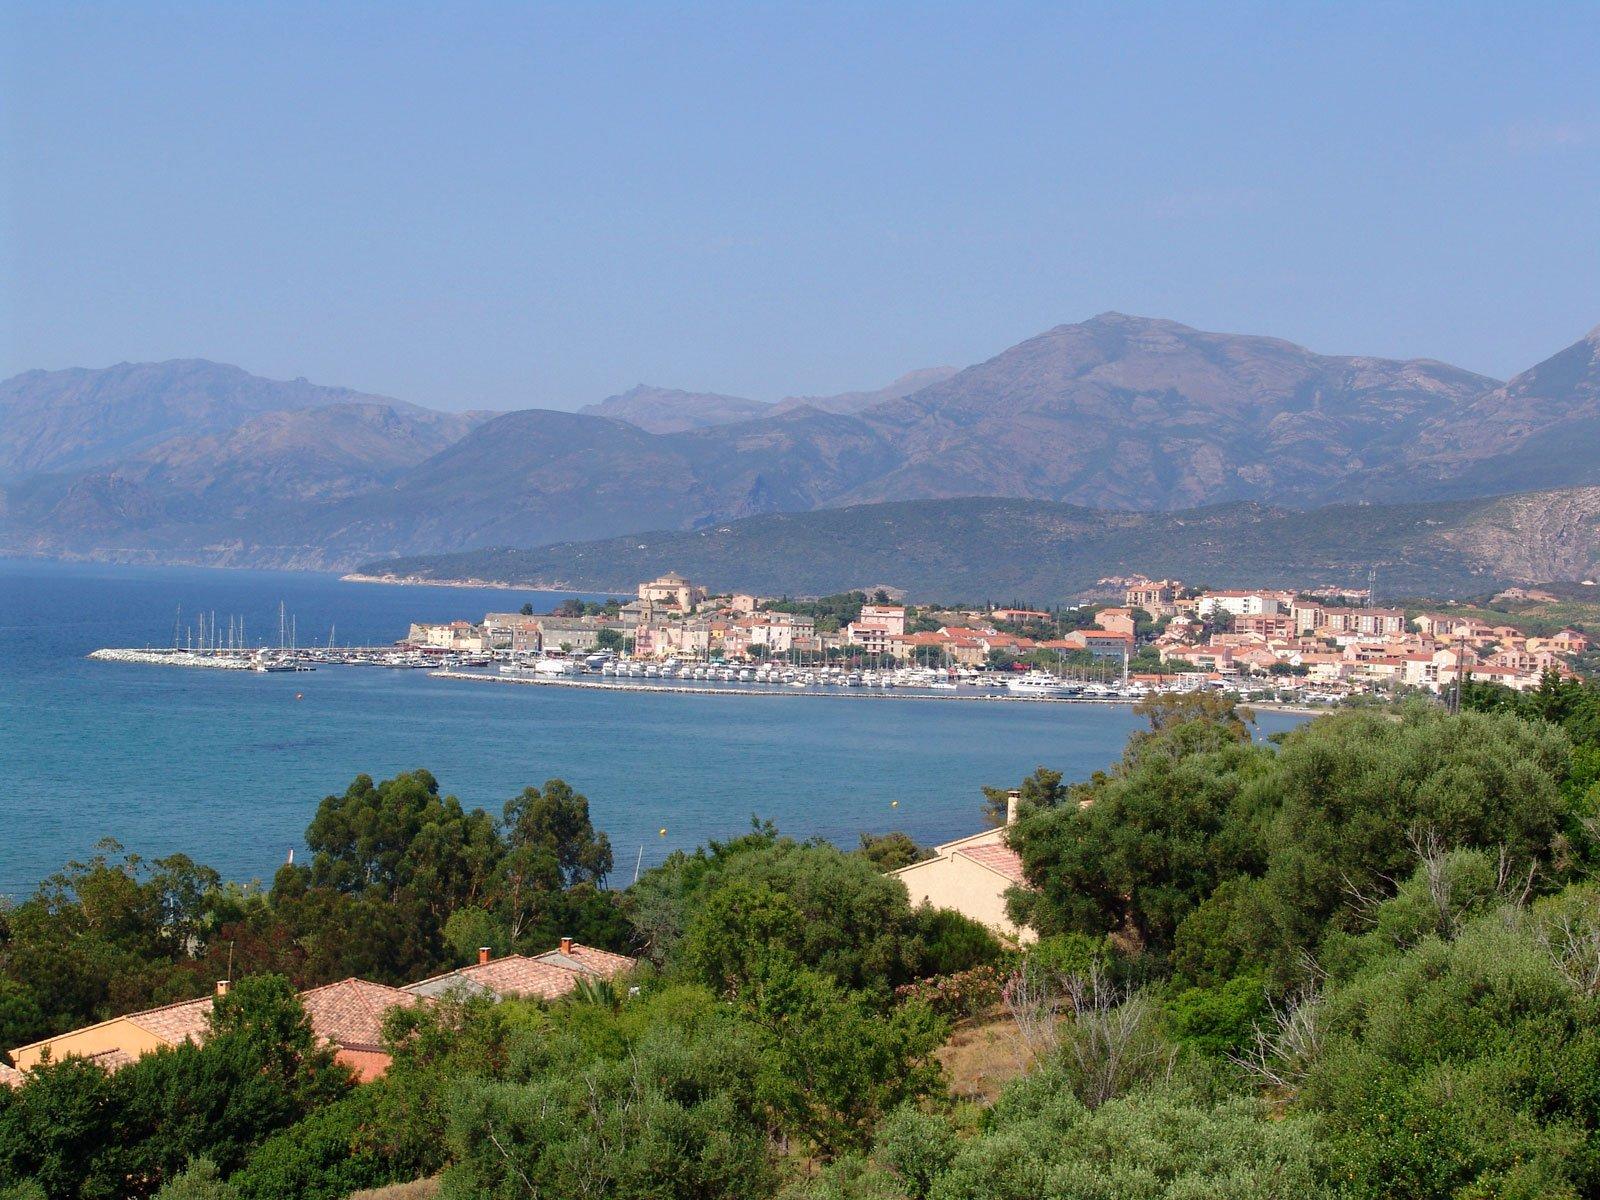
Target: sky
<point x="514" y="205"/>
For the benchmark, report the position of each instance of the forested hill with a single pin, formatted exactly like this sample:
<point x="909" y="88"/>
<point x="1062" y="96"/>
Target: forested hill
<point x="977" y="547"/>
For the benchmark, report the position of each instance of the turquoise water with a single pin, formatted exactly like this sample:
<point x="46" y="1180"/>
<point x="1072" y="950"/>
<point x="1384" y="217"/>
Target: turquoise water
<point x="229" y="766"/>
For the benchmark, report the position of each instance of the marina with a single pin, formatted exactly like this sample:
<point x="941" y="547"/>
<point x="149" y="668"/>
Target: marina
<point x="605" y="672"/>
<point x="741" y="688"/>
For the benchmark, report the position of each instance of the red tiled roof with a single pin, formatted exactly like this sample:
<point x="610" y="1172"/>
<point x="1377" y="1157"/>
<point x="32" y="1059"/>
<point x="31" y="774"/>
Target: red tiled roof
<point x="10" y="1076"/>
<point x="1002" y="860"/>
<point x="112" y="1059"/>
<point x="597" y="962"/>
<point x="350" y="1013"/>
<point x="518" y="975"/>
<point x="548" y="976"/>
<point x="188" y="1020"/>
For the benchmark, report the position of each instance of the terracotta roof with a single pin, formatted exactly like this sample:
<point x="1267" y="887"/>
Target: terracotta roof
<point x="548" y="976"/>
<point x="350" y="1013"/>
<point x="112" y="1059"/>
<point x="188" y="1020"/>
<point x="519" y="975"/>
<point x="10" y="1076"/>
<point x="596" y="962"/>
<point x="1002" y="860"/>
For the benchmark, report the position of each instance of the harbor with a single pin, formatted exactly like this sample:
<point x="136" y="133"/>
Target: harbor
<point x="604" y="673"/>
<point x="702" y="686"/>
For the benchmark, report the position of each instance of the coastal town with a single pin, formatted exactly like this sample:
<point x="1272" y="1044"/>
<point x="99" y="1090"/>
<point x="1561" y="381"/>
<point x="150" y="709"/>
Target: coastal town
<point x="1315" y="645"/>
<point x="1320" y="642"/>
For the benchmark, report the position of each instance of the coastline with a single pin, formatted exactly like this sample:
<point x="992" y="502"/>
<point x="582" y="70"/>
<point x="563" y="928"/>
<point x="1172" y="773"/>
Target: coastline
<point x="501" y="585"/>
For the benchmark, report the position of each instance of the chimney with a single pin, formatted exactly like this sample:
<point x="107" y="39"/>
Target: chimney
<point x="566" y="945"/>
<point x="222" y="986"/>
<point x="1014" y="795"/>
<point x="483" y="954"/>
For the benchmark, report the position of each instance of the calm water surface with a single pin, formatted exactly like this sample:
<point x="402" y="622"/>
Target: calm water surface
<point x="229" y="766"/>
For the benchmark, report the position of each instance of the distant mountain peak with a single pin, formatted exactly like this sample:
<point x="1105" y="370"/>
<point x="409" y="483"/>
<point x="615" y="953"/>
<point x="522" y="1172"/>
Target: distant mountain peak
<point x="672" y="410"/>
<point x="855" y="402"/>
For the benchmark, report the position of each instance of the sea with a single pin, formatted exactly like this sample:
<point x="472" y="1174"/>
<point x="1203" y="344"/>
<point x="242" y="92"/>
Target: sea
<point x="229" y="766"/>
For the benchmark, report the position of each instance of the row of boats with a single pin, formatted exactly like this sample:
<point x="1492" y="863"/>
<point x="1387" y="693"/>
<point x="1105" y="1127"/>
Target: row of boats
<point x="1036" y="685"/>
<point x="606" y="667"/>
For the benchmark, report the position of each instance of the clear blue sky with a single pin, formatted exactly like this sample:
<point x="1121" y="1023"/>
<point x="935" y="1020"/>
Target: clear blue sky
<point x="476" y="205"/>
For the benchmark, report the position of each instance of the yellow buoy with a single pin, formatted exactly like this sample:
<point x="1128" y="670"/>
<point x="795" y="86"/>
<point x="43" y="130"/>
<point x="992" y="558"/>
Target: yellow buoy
<point x="663" y="833"/>
<point x="894" y="804"/>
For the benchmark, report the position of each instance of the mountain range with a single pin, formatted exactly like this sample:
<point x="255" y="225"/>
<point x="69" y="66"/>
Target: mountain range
<point x="198" y="462"/>
<point x="669" y="410"/>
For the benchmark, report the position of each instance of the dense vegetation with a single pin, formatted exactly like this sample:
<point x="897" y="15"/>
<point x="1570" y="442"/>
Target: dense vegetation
<point x="1364" y="962"/>
<point x="402" y="881"/>
<point x="993" y="547"/>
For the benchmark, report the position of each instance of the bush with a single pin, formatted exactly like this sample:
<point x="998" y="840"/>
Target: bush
<point x="1219" y="1020"/>
<point x="324" y="1157"/>
<point x="675" y="1117"/>
<point x="200" y="1181"/>
<point x="1465" y="1067"/>
<point x="964" y="994"/>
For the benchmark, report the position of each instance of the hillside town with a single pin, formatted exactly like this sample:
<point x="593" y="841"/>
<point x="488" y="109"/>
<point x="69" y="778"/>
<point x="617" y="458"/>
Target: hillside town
<point x="1322" y="641"/>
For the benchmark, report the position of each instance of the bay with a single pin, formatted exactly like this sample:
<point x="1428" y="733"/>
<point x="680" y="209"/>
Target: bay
<point x="228" y="766"/>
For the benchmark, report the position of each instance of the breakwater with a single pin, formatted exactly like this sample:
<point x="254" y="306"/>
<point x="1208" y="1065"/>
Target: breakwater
<point x="174" y="658"/>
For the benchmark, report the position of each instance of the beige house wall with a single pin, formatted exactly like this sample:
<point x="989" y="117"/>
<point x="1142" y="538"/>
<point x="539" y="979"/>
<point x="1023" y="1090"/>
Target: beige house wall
<point x="118" y="1034"/>
<point x="955" y="882"/>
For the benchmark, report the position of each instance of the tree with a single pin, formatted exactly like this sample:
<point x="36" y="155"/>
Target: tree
<point x="1149" y="842"/>
<point x="82" y="1132"/>
<point x="390" y="863"/>
<point x="553" y="858"/>
<point x="527" y="608"/>
<point x="891" y="851"/>
<point x="835" y="1063"/>
<point x="1038" y="792"/>
<point x="808" y="904"/>
<point x="1166" y="709"/>
<point x="1357" y="793"/>
<point x="103" y="936"/>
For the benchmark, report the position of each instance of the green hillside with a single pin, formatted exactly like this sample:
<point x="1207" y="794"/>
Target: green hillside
<point x="984" y="547"/>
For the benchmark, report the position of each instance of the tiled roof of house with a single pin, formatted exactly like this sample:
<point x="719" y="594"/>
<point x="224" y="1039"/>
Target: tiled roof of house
<point x="188" y="1020"/>
<point x="1002" y="860"/>
<point x="547" y="976"/>
<point x="112" y="1059"/>
<point x="10" y="1076"/>
<point x="350" y="1013"/>
<point x="586" y="958"/>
